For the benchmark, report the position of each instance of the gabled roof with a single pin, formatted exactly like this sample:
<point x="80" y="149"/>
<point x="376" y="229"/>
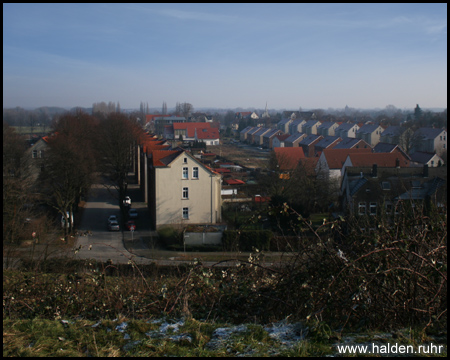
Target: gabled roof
<point x="211" y="133"/>
<point x="311" y="123"/>
<point x="282" y="137"/>
<point x="367" y="129"/>
<point x="253" y="131"/>
<point x="346" y="126"/>
<point x="394" y="131"/>
<point x="310" y="139"/>
<point x="428" y="133"/>
<point x="288" y="157"/>
<point x="381" y="159"/>
<point x="352" y="143"/>
<point x="261" y="131"/>
<point x="327" y="141"/>
<point x="271" y="133"/>
<point x="422" y="157"/>
<point x="389" y="148"/>
<point x="247" y="129"/>
<point x="295" y="137"/>
<point x="336" y="157"/>
<point x="164" y="157"/>
<point x="190" y="127"/>
<point x="284" y="121"/>
<point x="326" y="125"/>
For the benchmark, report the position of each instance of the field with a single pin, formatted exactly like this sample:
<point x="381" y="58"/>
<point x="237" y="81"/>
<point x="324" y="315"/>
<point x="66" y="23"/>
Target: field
<point x="246" y="155"/>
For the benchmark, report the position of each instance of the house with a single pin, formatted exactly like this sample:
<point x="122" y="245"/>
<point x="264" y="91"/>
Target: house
<point x="429" y="159"/>
<point x="163" y="120"/>
<point x="210" y="136"/>
<point x="352" y="143"/>
<point x="251" y="133"/>
<point x="288" y="158"/>
<point x="36" y="156"/>
<point x="328" y="142"/>
<point x="246" y="115"/>
<point x="399" y="135"/>
<point x="283" y="125"/>
<point x="181" y="190"/>
<point x="327" y="128"/>
<point x="269" y="136"/>
<point x="258" y="136"/>
<point x="307" y="115"/>
<point x="370" y="133"/>
<point x="430" y="140"/>
<point x="310" y="128"/>
<point x="394" y="160"/>
<point x="307" y="144"/>
<point x="332" y="160"/>
<point x="296" y="126"/>
<point x="387" y="191"/>
<point x="293" y="140"/>
<point x="390" y="148"/>
<point x="243" y="133"/>
<point x="279" y="140"/>
<point x="346" y="130"/>
<point x="187" y="130"/>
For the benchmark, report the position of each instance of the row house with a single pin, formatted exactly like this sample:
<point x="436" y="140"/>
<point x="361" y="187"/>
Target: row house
<point x="346" y="130"/>
<point x="352" y="143"/>
<point x="327" y="128"/>
<point x="310" y="128"/>
<point x="244" y="133"/>
<point x="296" y="126"/>
<point x="399" y="135"/>
<point x="293" y="140"/>
<point x="370" y="133"/>
<point x="279" y="140"/>
<point x="258" y="136"/>
<point x="430" y="140"/>
<point x="328" y="142"/>
<point x="374" y="190"/>
<point x="269" y="137"/>
<point x="251" y="134"/>
<point x="429" y="159"/>
<point x="283" y="125"/>
<point x="307" y="144"/>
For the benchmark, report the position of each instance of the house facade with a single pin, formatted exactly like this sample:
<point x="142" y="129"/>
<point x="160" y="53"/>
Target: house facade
<point x="308" y="143"/>
<point x="269" y="137"/>
<point x="429" y="159"/>
<point x="293" y="140"/>
<point x="327" y="128"/>
<point x="310" y="128"/>
<point x="430" y="140"/>
<point x="182" y="190"/>
<point x="279" y="141"/>
<point x="346" y="130"/>
<point x="370" y="133"/>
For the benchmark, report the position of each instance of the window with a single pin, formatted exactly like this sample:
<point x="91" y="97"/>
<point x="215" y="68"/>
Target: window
<point x="41" y="154"/>
<point x="386" y="185"/>
<point x="185" y="213"/>
<point x="389" y="207"/>
<point x="362" y="208"/>
<point x="185" y="173"/>
<point x="185" y="161"/>
<point x="373" y="208"/>
<point x="195" y="172"/>
<point x="34" y="155"/>
<point x="185" y="193"/>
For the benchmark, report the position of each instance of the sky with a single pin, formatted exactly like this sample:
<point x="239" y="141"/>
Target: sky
<point x="291" y="56"/>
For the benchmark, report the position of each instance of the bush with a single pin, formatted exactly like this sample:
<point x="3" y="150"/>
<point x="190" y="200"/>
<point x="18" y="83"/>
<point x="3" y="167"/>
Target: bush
<point x="169" y="235"/>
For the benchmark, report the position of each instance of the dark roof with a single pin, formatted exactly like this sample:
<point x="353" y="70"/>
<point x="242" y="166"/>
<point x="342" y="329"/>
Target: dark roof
<point x="349" y="143"/>
<point x="394" y="131"/>
<point x="294" y="137"/>
<point x="428" y="133"/>
<point x="367" y="129"/>
<point x="421" y="157"/>
<point x="327" y="141"/>
<point x="345" y="126"/>
<point x="309" y="139"/>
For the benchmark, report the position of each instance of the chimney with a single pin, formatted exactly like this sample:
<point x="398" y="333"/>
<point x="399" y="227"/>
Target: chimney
<point x="397" y="162"/>
<point x="374" y="170"/>
<point x="425" y="171"/>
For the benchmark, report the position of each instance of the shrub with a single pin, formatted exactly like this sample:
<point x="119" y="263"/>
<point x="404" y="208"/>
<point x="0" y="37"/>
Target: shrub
<point x="246" y="240"/>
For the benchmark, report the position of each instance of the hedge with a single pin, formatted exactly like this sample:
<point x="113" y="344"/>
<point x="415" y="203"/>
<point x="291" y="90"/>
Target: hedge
<point x="246" y="240"/>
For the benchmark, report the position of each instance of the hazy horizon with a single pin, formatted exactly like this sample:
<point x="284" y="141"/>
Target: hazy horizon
<point x="226" y="56"/>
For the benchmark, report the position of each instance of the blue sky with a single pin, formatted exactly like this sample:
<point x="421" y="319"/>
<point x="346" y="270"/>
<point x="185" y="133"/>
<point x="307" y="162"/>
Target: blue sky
<point x="225" y="55"/>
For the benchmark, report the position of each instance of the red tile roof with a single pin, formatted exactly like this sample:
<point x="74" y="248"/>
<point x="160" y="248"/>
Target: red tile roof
<point x="233" y="182"/>
<point x="336" y="157"/>
<point x="381" y="159"/>
<point x="288" y="157"/>
<point x="190" y="127"/>
<point x="211" y="133"/>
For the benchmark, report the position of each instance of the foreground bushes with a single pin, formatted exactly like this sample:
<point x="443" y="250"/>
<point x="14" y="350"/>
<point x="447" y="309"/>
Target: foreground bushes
<point x="390" y="278"/>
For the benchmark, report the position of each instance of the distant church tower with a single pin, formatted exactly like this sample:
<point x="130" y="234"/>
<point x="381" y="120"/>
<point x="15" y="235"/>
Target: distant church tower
<point x="266" y="114"/>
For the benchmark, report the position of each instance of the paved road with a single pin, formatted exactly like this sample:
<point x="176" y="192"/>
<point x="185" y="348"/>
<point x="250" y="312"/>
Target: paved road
<point x="102" y="244"/>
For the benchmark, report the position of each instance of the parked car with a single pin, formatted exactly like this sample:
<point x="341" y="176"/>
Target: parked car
<point x="113" y="226"/>
<point x="127" y="201"/>
<point x="132" y="213"/>
<point x="129" y="224"/>
<point x="112" y="218"/>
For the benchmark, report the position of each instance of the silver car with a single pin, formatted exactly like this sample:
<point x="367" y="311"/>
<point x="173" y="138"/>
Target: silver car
<point x="113" y="226"/>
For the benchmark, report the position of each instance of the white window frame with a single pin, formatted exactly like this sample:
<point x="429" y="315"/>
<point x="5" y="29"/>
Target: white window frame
<point x="362" y="205"/>
<point x="185" y="213"/>
<point x="195" y="172"/>
<point x="372" y="206"/>
<point x="185" y="173"/>
<point x="185" y="193"/>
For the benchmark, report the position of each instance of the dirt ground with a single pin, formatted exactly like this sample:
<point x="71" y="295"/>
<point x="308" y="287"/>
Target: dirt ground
<point x="247" y="156"/>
